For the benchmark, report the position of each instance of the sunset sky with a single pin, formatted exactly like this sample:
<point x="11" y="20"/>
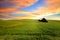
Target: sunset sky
<point x="30" y="9"/>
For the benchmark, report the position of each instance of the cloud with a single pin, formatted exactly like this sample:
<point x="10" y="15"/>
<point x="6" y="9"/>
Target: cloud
<point x="16" y="4"/>
<point x="7" y="10"/>
<point x="53" y="5"/>
<point x="28" y="15"/>
<point x="55" y="18"/>
<point x="7" y="6"/>
<point x="23" y="17"/>
<point x="42" y="11"/>
<point x="5" y="14"/>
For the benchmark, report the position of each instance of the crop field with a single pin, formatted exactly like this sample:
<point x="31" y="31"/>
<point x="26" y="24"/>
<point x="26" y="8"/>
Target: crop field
<point x="29" y="30"/>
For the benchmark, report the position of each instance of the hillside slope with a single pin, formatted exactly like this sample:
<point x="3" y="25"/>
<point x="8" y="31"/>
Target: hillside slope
<point x="29" y="30"/>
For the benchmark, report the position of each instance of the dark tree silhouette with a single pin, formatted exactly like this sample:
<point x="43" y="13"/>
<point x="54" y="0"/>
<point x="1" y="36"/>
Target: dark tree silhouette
<point x="43" y="20"/>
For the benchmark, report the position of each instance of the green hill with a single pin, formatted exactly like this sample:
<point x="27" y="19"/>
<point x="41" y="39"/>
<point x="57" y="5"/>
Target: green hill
<point x="29" y="30"/>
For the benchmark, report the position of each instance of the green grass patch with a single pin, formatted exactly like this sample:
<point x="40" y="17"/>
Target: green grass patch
<point x="29" y="30"/>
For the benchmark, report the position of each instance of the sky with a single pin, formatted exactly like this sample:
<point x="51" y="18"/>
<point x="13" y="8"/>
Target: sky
<point x="40" y="3"/>
<point x="29" y="9"/>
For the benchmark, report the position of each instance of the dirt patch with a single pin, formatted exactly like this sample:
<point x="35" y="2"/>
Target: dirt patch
<point x="3" y="26"/>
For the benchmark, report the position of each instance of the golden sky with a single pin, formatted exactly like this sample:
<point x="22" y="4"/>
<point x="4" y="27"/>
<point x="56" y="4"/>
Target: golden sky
<point x="50" y="7"/>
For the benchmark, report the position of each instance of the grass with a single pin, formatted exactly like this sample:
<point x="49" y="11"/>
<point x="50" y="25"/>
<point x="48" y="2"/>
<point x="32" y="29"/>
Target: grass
<point x="29" y="30"/>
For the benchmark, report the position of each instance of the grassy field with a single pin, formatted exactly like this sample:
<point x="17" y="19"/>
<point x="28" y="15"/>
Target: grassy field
<point x="29" y="30"/>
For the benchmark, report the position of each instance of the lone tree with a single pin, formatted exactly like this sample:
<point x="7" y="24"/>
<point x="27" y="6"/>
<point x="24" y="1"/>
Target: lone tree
<point x="43" y="20"/>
